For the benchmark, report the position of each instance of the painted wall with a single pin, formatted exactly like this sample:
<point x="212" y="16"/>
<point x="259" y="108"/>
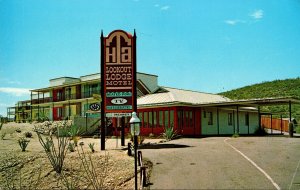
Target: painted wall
<point x="224" y="127"/>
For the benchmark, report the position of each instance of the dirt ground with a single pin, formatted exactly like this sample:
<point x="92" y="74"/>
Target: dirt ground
<point x="33" y="169"/>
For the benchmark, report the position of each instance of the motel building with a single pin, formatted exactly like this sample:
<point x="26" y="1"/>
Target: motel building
<point x="190" y="113"/>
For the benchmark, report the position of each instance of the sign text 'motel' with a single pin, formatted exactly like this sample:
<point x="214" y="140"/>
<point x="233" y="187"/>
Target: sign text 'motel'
<point x="118" y="72"/>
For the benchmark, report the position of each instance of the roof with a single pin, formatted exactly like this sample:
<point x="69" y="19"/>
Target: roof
<point x="179" y="96"/>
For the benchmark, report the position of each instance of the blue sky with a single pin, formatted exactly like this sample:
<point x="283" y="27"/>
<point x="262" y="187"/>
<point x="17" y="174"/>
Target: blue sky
<point x="203" y="45"/>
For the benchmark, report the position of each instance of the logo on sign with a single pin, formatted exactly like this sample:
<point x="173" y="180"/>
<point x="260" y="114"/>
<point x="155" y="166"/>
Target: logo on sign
<point x="118" y="101"/>
<point x="95" y="107"/>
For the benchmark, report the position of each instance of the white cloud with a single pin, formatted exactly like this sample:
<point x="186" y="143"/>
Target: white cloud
<point x="15" y="91"/>
<point x="257" y="14"/>
<point x="234" y="22"/>
<point x="164" y="8"/>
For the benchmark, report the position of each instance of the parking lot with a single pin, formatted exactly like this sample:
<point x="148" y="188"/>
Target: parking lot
<point x="226" y="163"/>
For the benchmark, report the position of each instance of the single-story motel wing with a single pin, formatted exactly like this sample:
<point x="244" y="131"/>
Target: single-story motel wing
<point x="189" y="112"/>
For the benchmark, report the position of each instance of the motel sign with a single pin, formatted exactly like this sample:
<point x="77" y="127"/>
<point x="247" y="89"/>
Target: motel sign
<point x="118" y="72"/>
<point x="118" y="78"/>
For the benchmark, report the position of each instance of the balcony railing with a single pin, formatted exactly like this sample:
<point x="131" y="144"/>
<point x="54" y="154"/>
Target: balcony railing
<point x="64" y="97"/>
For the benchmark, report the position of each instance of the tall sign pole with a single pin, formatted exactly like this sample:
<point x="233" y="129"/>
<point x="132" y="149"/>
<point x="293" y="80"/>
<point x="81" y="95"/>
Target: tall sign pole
<point x="102" y="94"/>
<point x="118" y="77"/>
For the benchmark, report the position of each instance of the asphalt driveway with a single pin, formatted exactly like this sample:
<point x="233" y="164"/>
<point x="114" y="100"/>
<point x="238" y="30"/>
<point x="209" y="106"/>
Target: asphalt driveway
<point x="213" y="163"/>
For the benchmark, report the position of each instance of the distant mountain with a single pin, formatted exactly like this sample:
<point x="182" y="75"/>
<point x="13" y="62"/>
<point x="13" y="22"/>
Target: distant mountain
<point x="276" y="88"/>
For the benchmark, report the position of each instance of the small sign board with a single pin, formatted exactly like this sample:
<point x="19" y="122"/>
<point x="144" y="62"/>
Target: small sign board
<point x="118" y="115"/>
<point x="95" y="107"/>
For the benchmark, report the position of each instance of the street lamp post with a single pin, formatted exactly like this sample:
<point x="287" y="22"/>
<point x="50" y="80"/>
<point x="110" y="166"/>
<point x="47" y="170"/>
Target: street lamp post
<point x="135" y="131"/>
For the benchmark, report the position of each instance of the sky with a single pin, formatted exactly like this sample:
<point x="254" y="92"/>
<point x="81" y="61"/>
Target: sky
<point x="201" y="45"/>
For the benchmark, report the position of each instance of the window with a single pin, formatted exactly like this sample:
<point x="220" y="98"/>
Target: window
<point x="154" y="119"/>
<point x="160" y="117"/>
<point x="247" y="119"/>
<point x="145" y="119"/>
<point x="68" y="93"/>
<point x="204" y="114"/>
<point x="210" y="118"/>
<point x="166" y="118"/>
<point x="150" y="119"/>
<point x="230" y="119"/>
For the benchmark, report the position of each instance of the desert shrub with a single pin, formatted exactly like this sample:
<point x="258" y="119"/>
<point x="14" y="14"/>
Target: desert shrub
<point x="18" y="130"/>
<point x="91" y="146"/>
<point x="169" y="133"/>
<point x="55" y="154"/>
<point x="1" y="124"/>
<point x="28" y="134"/>
<point x="23" y="142"/>
<point x="3" y="134"/>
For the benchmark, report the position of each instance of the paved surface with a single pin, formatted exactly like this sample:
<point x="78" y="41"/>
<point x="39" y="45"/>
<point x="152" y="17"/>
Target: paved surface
<point x="210" y="163"/>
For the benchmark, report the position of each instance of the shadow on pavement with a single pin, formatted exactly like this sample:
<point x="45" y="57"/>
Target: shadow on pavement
<point x="162" y="146"/>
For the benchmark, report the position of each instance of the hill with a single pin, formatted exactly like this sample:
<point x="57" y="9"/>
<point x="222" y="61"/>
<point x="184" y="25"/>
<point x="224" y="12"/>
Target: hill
<point x="276" y="88"/>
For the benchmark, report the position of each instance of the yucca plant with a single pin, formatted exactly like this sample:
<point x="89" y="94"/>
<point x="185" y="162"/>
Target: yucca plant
<point x="91" y="145"/>
<point x="169" y="133"/>
<point x="23" y="142"/>
<point x="71" y="147"/>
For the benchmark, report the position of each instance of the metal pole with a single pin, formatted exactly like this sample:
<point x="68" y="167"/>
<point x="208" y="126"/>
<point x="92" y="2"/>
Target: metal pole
<point x="122" y="131"/>
<point x="218" y="122"/>
<point x="237" y="119"/>
<point x="135" y="162"/>
<point x="259" y="120"/>
<point x="102" y="93"/>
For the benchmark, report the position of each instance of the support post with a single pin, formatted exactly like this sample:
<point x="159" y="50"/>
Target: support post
<point x="259" y="119"/>
<point x="291" y="126"/>
<point x="281" y="123"/>
<point x="237" y="120"/>
<point x="122" y="131"/>
<point x="134" y="73"/>
<point x="102" y="93"/>
<point x="218" y="122"/>
<point x="271" y="124"/>
<point x="31" y="106"/>
<point x="135" y="161"/>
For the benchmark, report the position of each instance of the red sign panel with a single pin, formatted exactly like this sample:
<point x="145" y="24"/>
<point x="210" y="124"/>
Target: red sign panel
<point x="118" y="72"/>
